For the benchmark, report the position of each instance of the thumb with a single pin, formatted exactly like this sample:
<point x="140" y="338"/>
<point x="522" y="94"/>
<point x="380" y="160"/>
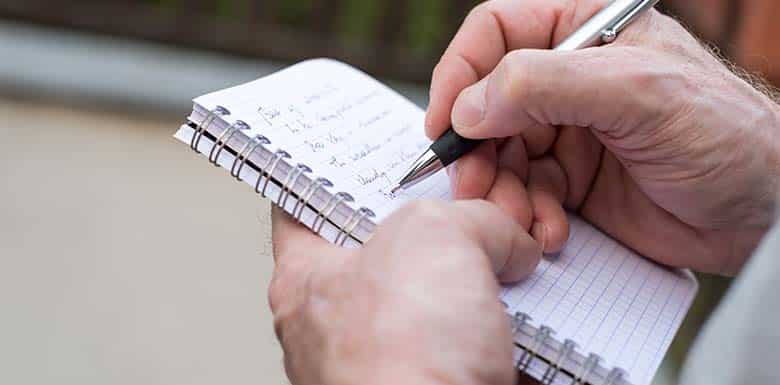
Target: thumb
<point x="512" y="251"/>
<point x="539" y="89"/>
<point x="441" y="230"/>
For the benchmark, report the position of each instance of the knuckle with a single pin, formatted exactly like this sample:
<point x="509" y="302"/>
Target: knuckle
<point x="514" y="74"/>
<point x="286" y="277"/>
<point x="438" y="70"/>
<point x="276" y="293"/>
<point x="479" y="10"/>
<point x="282" y="326"/>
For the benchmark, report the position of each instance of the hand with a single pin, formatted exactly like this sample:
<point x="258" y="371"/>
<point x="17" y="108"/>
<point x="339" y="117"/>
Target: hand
<point x="413" y="306"/>
<point x="650" y="138"/>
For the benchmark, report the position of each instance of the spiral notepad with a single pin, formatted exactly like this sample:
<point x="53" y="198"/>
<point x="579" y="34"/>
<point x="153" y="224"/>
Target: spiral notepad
<point x="325" y="142"/>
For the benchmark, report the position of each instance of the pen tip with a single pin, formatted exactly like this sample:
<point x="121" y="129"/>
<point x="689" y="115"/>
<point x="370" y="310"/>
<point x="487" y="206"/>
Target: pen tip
<point x="396" y="189"/>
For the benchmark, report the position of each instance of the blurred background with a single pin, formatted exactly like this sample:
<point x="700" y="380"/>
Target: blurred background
<point x="123" y="258"/>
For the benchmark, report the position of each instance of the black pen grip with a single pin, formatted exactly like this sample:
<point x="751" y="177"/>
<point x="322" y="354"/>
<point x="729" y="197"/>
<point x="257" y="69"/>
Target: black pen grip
<point x="451" y="146"/>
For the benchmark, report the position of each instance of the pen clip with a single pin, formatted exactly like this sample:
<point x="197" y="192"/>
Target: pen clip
<point x="610" y="34"/>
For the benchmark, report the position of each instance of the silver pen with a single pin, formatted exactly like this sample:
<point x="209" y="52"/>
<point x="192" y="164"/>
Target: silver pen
<point x="601" y="28"/>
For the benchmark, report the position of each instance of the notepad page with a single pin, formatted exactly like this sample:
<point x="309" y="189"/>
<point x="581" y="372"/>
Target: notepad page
<point x="343" y="124"/>
<point x="608" y="300"/>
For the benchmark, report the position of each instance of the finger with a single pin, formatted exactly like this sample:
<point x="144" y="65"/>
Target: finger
<point x="490" y="31"/>
<point x="513" y="253"/>
<point x="514" y="157"/>
<point x="473" y="174"/>
<point x="291" y="240"/>
<point x="465" y="229"/>
<point x="509" y="194"/>
<point x="578" y="153"/>
<point x="547" y="191"/>
<point x="539" y="88"/>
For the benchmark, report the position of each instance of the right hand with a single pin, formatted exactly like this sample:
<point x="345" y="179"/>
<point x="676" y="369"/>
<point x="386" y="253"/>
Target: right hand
<point x="650" y="138"/>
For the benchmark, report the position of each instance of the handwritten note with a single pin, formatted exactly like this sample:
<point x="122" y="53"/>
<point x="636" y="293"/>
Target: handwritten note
<point x="343" y="124"/>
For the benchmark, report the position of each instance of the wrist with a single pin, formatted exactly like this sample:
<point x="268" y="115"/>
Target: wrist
<point x="413" y="370"/>
<point x="774" y="163"/>
<point x="765" y="192"/>
<point x="385" y="373"/>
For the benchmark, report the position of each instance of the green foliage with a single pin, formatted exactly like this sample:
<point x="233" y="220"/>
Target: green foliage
<point x="358" y="20"/>
<point x="426" y="26"/>
<point x="294" y="12"/>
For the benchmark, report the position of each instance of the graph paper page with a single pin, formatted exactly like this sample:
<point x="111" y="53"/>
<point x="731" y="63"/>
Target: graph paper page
<point x="608" y="300"/>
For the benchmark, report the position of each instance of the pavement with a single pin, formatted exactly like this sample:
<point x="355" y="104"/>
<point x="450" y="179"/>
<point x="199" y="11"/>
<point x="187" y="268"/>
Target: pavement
<point x="125" y="258"/>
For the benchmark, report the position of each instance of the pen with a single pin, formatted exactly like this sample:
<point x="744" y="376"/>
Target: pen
<point x="601" y="28"/>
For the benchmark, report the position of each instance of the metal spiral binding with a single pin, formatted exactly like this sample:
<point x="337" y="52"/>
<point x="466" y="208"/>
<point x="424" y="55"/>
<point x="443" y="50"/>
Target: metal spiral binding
<point x="530" y="352"/>
<point x="224" y="138"/>
<point x="289" y="183"/>
<point x="614" y="376"/>
<point x="266" y="172"/>
<point x="352" y="222"/>
<point x="307" y="194"/>
<point x="204" y="125"/>
<point x="328" y="210"/>
<point x="552" y="371"/>
<point x="243" y="154"/>
<point x="564" y="353"/>
<point x="589" y="366"/>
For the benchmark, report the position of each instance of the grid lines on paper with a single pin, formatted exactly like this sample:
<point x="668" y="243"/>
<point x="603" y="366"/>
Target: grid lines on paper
<point x="607" y="299"/>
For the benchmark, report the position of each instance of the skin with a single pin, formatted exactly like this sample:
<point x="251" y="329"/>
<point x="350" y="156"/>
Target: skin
<point x="388" y="312"/>
<point x="650" y="138"/>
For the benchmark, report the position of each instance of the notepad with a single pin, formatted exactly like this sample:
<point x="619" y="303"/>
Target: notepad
<point x="326" y="142"/>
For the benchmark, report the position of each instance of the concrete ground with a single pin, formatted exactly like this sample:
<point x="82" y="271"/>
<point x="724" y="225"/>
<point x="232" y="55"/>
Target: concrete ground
<point x="124" y="259"/>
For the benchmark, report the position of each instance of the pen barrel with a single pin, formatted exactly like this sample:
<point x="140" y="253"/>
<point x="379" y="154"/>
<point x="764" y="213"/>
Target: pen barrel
<point x="451" y="146"/>
<point x="591" y="33"/>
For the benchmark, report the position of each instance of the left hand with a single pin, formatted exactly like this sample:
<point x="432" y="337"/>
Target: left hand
<point x="412" y="306"/>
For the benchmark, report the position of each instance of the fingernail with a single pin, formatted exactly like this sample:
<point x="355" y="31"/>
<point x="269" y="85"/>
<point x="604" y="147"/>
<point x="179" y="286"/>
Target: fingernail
<point x="539" y="232"/>
<point x="452" y="172"/>
<point x="469" y="108"/>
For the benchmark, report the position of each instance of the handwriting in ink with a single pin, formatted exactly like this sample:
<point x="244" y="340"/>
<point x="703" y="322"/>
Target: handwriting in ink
<point x="368" y="97"/>
<point x="315" y="146"/>
<point x="333" y="161"/>
<point x="329" y="116"/>
<point x="292" y="129"/>
<point x="336" y="139"/>
<point x="342" y="109"/>
<point x="303" y="125"/>
<point x="373" y="176"/>
<point x="364" y="152"/>
<point x="374" y="119"/>
<point x="403" y="158"/>
<point x="388" y="195"/>
<point x="398" y="133"/>
<point x="327" y="89"/>
<point x="269" y="113"/>
<point x="295" y="111"/>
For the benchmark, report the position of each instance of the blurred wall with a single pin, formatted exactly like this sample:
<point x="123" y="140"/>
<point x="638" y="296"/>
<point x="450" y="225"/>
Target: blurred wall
<point x="745" y="30"/>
